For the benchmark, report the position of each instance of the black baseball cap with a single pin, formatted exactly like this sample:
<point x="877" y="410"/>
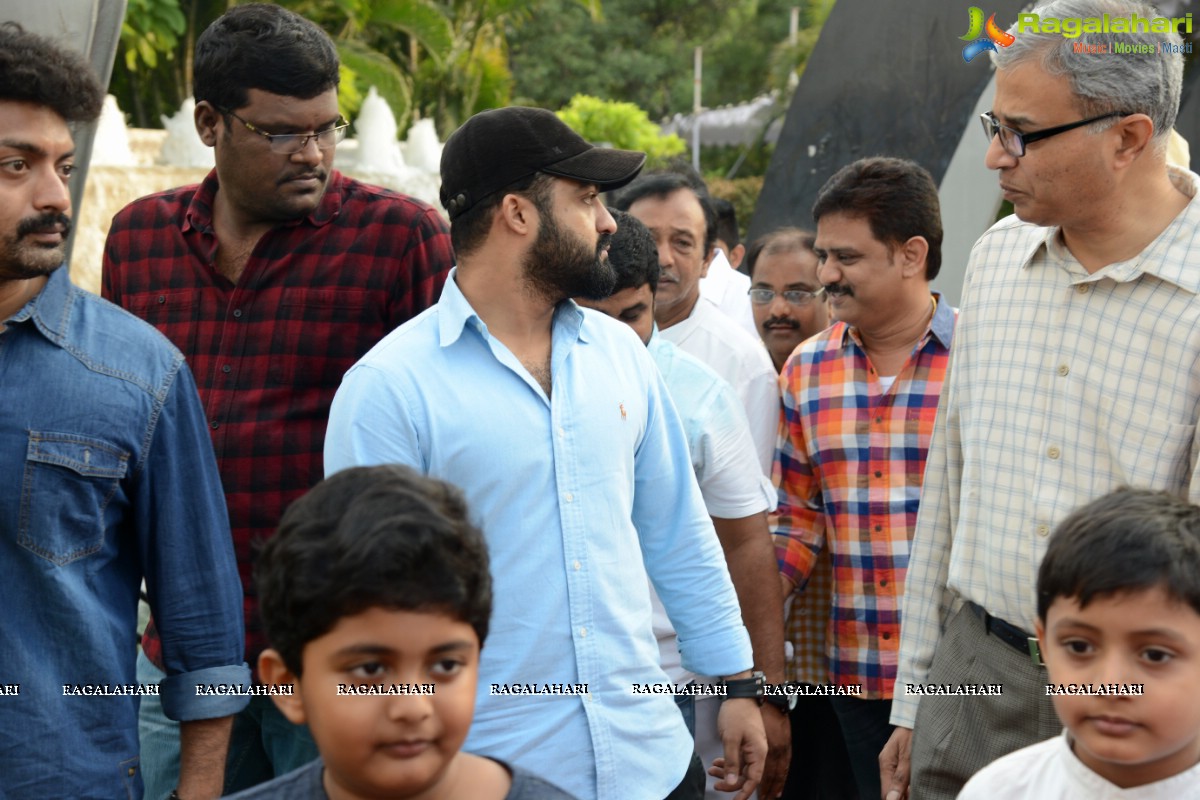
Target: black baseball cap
<point x="498" y="147"/>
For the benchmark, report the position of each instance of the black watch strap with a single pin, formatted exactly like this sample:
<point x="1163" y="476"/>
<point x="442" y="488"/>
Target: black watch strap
<point x="751" y="688"/>
<point x="782" y="699"/>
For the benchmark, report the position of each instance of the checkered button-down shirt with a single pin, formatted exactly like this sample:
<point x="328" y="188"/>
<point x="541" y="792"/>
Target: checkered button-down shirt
<point x="269" y="352"/>
<point x="1065" y="386"/>
<point x="851" y="457"/>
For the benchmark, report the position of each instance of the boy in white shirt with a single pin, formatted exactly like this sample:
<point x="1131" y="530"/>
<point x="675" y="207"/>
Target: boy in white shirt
<point x="1119" y="631"/>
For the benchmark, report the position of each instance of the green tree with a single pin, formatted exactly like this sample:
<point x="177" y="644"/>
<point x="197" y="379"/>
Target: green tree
<point x="641" y="51"/>
<point x="621" y="125"/>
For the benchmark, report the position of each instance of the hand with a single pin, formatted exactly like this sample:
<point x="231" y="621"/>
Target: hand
<point x="779" y="752"/>
<point x="740" y="726"/>
<point x="895" y="763"/>
<point x="786" y="586"/>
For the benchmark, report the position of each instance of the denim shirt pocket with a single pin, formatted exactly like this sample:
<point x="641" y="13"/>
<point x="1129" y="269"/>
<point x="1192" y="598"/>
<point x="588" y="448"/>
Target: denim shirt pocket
<point x="69" y="481"/>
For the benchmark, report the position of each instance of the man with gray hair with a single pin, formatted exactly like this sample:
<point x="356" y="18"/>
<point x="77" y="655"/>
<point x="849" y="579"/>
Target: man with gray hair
<point x="1073" y="375"/>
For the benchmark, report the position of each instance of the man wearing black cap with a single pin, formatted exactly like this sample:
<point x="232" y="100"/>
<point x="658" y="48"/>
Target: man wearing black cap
<point x="557" y="426"/>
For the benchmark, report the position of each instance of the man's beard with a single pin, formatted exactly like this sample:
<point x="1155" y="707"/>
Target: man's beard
<point x="560" y="265"/>
<point x="24" y="260"/>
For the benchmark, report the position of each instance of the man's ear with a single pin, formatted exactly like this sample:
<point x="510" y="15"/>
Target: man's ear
<point x="912" y="256"/>
<point x="518" y="214"/>
<point x="207" y="120"/>
<point x="273" y="672"/>
<point x="1135" y="132"/>
<point x="736" y="255"/>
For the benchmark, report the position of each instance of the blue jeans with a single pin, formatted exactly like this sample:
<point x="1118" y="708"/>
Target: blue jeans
<point x="866" y="729"/>
<point x="263" y="745"/>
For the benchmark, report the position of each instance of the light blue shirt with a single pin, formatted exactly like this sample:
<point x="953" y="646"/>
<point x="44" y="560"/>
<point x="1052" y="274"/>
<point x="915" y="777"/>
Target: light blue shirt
<point x="574" y="493"/>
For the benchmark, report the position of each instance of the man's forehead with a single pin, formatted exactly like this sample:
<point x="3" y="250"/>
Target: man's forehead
<point x="34" y="128"/>
<point x="787" y="266"/>
<point x="1027" y="95"/>
<point x="680" y="209"/>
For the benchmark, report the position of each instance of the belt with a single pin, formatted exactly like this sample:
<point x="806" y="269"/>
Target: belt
<point x="1010" y="634"/>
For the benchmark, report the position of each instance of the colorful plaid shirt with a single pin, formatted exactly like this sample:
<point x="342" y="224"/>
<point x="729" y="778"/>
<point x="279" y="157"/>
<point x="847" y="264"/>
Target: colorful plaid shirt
<point x="269" y="352"/>
<point x="851" y="458"/>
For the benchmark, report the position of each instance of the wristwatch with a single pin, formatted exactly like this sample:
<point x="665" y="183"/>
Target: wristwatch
<point x="783" y="700"/>
<point x="752" y="688"/>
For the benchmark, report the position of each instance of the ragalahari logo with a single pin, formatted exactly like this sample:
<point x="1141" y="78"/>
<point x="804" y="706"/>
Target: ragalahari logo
<point x="982" y="36"/>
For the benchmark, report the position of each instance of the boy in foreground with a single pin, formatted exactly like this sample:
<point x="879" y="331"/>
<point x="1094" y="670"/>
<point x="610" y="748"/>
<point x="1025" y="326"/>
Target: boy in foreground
<point x="1118" y="603"/>
<point x="376" y="596"/>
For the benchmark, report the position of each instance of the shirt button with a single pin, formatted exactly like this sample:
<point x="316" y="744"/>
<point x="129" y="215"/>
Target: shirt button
<point x="1053" y="452"/>
<point x="1043" y="530"/>
<point x="883" y="582"/>
<point x="162" y="298"/>
<point x="132" y="771"/>
<point x="1063" y="369"/>
<point x="226" y="369"/>
<point x="214" y="424"/>
<point x="561" y="432"/>
<point x="237" y="312"/>
<point x="569" y="497"/>
<point x="577" y="566"/>
<point x="878" y="419"/>
<point x="878" y="474"/>
<point x="878" y="528"/>
<point x="1082" y="288"/>
<point x="583" y="631"/>
<point x="886" y="636"/>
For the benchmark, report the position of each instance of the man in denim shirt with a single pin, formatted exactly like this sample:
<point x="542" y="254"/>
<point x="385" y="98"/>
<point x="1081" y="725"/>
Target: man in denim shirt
<point x="108" y="477"/>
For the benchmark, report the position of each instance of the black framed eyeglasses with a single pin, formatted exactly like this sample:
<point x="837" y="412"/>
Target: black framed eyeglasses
<point x="797" y="297"/>
<point x="287" y="143"/>
<point x="1014" y="142"/>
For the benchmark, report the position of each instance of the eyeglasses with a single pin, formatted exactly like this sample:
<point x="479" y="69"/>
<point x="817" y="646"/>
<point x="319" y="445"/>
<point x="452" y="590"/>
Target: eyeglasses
<point x="1014" y="142"/>
<point x="287" y="143"/>
<point x="797" y="297"/>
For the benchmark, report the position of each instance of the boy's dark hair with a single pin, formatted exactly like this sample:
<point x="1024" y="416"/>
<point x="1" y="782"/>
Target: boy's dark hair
<point x="262" y="46"/>
<point x="897" y="198"/>
<point x="371" y="537"/>
<point x="34" y="69"/>
<point x="727" y="225"/>
<point x="469" y="229"/>
<point x="633" y="253"/>
<point x="783" y="240"/>
<point x="662" y="185"/>
<point x="1126" y="541"/>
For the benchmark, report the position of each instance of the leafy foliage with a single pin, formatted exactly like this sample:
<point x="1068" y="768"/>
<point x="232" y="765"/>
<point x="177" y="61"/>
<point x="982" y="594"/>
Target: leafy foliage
<point x="151" y="28"/>
<point x="622" y="125"/>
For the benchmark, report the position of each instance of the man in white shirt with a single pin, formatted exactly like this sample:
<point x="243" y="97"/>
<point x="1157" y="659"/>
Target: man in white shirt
<point x="685" y="227"/>
<point x="1073" y="374"/>
<point x="735" y="493"/>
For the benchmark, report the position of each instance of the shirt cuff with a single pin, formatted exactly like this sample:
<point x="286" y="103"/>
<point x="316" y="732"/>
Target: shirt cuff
<point x="715" y="654"/>
<point x="205" y="693"/>
<point x="904" y="707"/>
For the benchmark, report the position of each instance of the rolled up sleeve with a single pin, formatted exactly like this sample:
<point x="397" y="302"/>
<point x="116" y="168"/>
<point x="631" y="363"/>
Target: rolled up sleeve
<point x="187" y="555"/>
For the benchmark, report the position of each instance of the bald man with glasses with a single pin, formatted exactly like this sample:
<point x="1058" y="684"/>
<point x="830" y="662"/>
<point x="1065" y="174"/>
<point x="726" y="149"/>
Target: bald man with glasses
<point x="273" y="276"/>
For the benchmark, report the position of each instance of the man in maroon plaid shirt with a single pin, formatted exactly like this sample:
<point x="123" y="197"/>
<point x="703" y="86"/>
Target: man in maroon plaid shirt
<point x="273" y="276"/>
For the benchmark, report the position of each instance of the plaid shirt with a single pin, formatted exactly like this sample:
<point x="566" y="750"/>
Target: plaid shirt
<point x="269" y="352"/>
<point x="851" y="458"/>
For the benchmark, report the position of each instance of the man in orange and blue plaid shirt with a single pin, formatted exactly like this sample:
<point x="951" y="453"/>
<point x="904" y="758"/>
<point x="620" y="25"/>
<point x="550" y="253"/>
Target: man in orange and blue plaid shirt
<point x="859" y="402"/>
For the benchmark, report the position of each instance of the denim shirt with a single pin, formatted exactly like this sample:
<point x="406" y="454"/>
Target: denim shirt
<point x="107" y="476"/>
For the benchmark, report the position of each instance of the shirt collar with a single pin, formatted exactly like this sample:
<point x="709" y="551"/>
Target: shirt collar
<point x="941" y="325"/>
<point x="455" y="314"/>
<point x="1167" y="258"/>
<point x="50" y="308"/>
<point x="198" y="215"/>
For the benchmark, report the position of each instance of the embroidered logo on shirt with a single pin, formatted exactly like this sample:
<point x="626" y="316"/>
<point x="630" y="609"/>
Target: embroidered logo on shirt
<point x="623" y="414"/>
